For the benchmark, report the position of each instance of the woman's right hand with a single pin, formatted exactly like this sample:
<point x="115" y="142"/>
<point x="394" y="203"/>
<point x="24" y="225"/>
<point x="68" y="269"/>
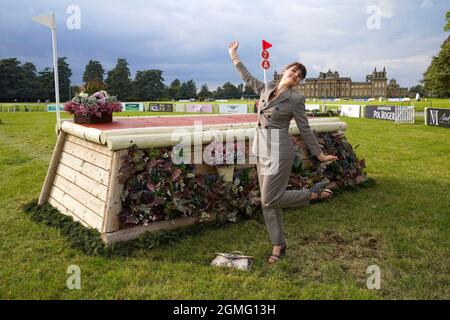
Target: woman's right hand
<point x="232" y="49"/>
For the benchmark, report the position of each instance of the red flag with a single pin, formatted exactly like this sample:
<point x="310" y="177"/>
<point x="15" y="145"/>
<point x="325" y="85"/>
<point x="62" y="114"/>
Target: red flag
<point x="265" y="45"/>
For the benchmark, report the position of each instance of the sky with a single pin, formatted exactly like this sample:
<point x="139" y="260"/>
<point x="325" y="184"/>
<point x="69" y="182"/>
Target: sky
<point x="189" y="39"/>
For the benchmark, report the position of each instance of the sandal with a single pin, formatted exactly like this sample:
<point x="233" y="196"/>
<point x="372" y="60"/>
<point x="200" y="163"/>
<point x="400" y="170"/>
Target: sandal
<point x="273" y="258"/>
<point x="319" y="189"/>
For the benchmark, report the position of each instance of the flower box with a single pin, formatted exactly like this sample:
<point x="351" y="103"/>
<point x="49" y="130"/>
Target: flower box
<point x="92" y="118"/>
<point x="97" y="108"/>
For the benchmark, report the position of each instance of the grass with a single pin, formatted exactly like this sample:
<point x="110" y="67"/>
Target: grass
<point x="401" y="225"/>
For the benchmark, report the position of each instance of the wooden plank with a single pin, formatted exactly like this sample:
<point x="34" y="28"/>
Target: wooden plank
<point x="93" y="187"/>
<point x="89" y="170"/>
<point x="77" y="208"/>
<point x="135" y="231"/>
<point x="89" y="145"/>
<point x="114" y="197"/>
<point x="48" y="182"/>
<point x="91" y="156"/>
<point x="94" y="204"/>
<point x="65" y="211"/>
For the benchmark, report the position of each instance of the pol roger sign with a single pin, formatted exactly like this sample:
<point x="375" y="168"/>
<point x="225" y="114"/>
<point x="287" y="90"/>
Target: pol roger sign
<point x="437" y="117"/>
<point x="380" y="112"/>
<point x="233" y="108"/>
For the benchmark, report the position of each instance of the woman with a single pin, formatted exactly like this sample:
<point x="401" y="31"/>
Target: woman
<point x="278" y="104"/>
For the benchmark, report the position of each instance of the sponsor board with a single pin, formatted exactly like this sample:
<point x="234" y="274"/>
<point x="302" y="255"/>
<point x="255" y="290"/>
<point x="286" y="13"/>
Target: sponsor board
<point x="233" y="108"/>
<point x="52" y="108"/>
<point x="350" y="110"/>
<point x="199" y="108"/>
<point x="437" y="117"/>
<point x="132" y="106"/>
<point x="160" y="107"/>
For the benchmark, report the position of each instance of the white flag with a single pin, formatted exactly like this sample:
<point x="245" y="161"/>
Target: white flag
<point x="48" y="20"/>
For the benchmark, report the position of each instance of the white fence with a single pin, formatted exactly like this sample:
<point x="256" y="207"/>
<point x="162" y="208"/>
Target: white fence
<point x="405" y="114"/>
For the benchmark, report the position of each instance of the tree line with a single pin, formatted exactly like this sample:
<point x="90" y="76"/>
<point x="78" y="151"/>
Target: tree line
<point x="436" y="80"/>
<point x="23" y="83"/>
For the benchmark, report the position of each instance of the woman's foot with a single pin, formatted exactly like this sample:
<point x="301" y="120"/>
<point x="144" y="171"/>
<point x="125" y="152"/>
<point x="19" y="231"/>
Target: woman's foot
<point x="319" y="192"/>
<point x="324" y="194"/>
<point x="277" y="253"/>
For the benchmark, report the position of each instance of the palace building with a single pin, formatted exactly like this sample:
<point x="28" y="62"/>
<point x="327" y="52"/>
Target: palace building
<point x="330" y="85"/>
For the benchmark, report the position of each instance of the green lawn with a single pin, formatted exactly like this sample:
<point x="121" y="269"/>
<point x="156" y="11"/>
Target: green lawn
<point x="402" y="225"/>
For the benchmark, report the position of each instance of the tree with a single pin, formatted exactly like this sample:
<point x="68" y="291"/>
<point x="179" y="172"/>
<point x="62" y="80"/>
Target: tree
<point x="218" y="93"/>
<point x="416" y="89"/>
<point x="241" y="89"/>
<point x="191" y="89"/>
<point x="230" y="91"/>
<point x="188" y="90"/>
<point x="64" y="74"/>
<point x="118" y="81"/>
<point x="248" y="92"/>
<point x="436" y="79"/>
<point x="173" y="90"/>
<point x="447" y="18"/>
<point x="75" y="89"/>
<point x="204" y="93"/>
<point x="47" y="84"/>
<point x="93" y="86"/>
<point x="28" y="86"/>
<point x="93" y="71"/>
<point x="148" y="85"/>
<point x="93" y="77"/>
<point x="10" y="74"/>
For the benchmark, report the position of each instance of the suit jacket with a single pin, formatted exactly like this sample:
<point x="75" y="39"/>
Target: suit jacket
<point x="277" y="114"/>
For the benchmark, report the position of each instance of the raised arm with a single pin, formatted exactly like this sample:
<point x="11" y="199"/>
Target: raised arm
<point x="255" y="84"/>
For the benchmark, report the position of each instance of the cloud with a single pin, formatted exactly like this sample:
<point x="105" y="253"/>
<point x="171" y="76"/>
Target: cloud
<point x="189" y="39"/>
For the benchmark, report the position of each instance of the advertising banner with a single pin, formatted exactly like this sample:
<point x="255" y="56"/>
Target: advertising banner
<point x="350" y="110"/>
<point x="233" y="108"/>
<point x="199" y="108"/>
<point x="437" y="117"/>
<point x="132" y="106"/>
<point x="380" y="112"/>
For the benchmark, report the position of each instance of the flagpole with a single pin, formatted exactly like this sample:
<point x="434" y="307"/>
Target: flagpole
<point x="56" y="75"/>
<point x="50" y="21"/>
<point x="265" y="77"/>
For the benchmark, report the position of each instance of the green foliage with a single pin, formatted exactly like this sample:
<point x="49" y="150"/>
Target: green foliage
<point x="93" y="72"/>
<point x="157" y="189"/>
<point x="92" y="86"/>
<point x="188" y="90"/>
<point x="89" y="241"/>
<point x="118" y="82"/>
<point x="437" y="77"/>
<point x="148" y="85"/>
<point x="447" y="19"/>
<point x="64" y="73"/>
<point x="204" y="93"/>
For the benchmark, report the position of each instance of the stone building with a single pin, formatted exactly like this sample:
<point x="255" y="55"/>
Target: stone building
<point x="331" y="85"/>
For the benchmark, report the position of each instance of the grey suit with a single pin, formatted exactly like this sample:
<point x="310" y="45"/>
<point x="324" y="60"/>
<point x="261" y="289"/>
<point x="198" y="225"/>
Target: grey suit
<point x="274" y="118"/>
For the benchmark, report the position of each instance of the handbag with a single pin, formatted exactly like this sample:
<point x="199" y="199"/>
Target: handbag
<point x="234" y="259"/>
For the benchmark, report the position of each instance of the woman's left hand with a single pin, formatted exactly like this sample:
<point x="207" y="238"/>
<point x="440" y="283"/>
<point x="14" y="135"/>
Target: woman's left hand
<point x="326" y="157"/>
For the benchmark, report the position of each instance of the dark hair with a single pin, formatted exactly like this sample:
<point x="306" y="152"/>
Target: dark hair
<point x="300" y="66"/>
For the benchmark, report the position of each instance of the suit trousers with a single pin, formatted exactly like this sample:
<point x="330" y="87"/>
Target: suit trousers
<point x="273" y="178"/>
